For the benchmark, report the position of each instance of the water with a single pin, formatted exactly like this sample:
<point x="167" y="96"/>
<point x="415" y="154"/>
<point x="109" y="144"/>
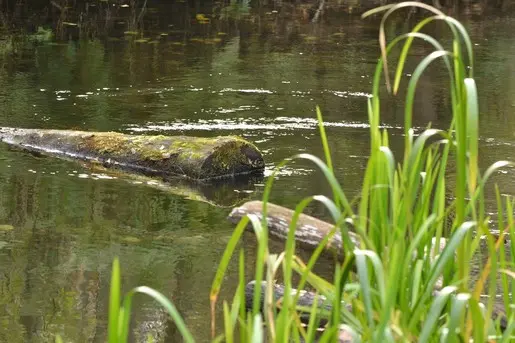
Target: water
<point x="255" y="73"/>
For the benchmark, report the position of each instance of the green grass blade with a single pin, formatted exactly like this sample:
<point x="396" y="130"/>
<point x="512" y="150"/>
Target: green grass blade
<point x="445" y="257"/>
<point x="257" y="329"/>
<point x="227" y="323"/>
<point x="473" y="133"/>
<point x="125" y="319"/>
<point x="366" y="289"/>
<point x="313" y="322"/>
<point x="493" y="168"/>
<point x="323" y="137"/>
<point x="329" y="335"/>
<point x="510" y="328"/>
<point x="466" y="39"/>
<point x="405" y="50"/>
<point x="376" y="10"/>
<point x="220" y="272"/>
<point x="434" y="313"/>
<point x="382" y="34"/>
<point x="290" y="250"/>
<point x="458" y="307"/>
<point x="416" y="281"/>
<point x="478" y="319"/>
<point x="114" y="302"/>
<point x="261" y="233"/>
<point x="241" y="289"/>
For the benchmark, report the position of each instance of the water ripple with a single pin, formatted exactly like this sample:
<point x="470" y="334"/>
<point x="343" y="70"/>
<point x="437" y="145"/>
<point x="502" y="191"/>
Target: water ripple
<point x="276" y="124"/>
<point x="257" y="91"/>
<point x="115" y="91"/>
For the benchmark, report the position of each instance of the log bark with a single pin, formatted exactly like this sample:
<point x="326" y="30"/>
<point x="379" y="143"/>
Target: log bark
<point x="166" y="156"/>
<point x="309" y="232"/>
<point x="306" y="299"/>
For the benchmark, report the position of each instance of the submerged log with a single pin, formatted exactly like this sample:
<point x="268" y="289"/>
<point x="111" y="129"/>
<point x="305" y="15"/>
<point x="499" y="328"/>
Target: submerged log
<point x="306" y="299"/>
<point x="166" y="156"/>
<point x="309" y="232"/>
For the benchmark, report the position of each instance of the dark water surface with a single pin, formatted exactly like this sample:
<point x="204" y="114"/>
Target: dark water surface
<point x="257" y="73"/>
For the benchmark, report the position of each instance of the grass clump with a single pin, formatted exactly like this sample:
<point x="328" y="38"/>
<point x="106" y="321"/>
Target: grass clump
<point x="398" y="285"/>
<point x="410" y="279"/>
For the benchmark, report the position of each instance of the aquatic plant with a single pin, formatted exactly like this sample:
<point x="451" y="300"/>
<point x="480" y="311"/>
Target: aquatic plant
<point x="398" y="286"/>
<point x="401" y="284"/>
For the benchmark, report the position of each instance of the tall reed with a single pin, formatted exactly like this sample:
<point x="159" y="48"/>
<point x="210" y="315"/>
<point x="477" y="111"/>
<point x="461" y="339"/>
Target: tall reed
<point x="400" y="285"/>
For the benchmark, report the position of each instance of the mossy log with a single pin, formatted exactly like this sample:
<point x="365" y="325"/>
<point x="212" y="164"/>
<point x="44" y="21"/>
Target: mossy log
<point x="309" y="233"/>
<point x="166" y="156"/>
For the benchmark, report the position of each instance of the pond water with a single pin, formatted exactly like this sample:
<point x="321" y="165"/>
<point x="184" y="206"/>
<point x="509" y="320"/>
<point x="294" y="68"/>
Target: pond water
<point x="255" y="71"/>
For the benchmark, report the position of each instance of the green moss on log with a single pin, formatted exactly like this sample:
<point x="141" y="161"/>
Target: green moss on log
<point x="192" y="157"/>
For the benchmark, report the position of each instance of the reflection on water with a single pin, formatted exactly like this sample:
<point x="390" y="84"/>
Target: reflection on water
<point x="248" y="71"/>
<point x="273" y="124"/>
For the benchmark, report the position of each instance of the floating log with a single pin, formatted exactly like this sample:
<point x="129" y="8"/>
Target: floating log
<point x="165" y="156"/>
<point x="309" y="233"/>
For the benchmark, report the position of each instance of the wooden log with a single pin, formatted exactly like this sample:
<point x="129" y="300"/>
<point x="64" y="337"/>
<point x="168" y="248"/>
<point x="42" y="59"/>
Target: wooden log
<point x="308" y="234"/>
<point x="165" y="156"/>
<point x="306" y="299"/>
<point x="310" y="231"/>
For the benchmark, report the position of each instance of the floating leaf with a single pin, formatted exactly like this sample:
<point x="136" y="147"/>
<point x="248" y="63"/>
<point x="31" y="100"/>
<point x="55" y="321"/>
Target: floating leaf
<point x="130" y="33"/>
<point x="69" y="24"/>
